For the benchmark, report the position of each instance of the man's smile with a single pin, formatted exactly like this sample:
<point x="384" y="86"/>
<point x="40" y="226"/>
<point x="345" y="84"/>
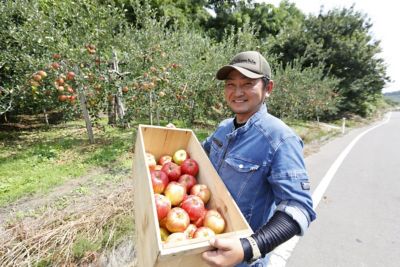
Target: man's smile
<point x="239" y="101"/>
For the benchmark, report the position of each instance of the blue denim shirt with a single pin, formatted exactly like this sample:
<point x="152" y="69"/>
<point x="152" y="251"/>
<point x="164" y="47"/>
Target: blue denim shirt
<point x="262" y="165"/>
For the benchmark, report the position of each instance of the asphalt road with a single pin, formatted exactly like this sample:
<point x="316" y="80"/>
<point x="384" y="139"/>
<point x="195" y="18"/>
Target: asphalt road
<point x="358" y="220"/>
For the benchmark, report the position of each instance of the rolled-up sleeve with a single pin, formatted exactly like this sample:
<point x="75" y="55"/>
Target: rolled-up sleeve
<point x="297" y="212"/>
<point x="290" y="182"/>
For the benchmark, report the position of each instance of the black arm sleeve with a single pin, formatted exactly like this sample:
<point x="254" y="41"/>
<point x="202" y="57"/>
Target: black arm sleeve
<point x="280" y="228"/>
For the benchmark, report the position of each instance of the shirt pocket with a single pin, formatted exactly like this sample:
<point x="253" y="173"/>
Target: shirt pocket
<point x="242" y="176"/>
<point x="216" y="144"/>
<point x="242" y="166"/>
<point x="215" y="151"/>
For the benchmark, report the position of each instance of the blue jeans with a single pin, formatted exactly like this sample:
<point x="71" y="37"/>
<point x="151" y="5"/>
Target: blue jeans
<point x="260" y="263"/>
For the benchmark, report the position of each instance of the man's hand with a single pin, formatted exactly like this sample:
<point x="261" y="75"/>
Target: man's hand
<point x="229" y="252"/>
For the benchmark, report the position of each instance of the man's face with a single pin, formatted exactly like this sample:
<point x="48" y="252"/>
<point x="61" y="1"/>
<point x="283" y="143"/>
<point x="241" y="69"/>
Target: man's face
<point x="244" y="95"/>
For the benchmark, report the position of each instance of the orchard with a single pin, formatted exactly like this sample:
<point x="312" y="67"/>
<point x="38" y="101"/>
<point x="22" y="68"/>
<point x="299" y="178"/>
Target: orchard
<point x="102" y="58"/>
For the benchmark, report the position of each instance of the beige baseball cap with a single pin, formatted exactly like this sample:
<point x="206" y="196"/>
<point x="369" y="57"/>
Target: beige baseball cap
<point x="250" y="63"/>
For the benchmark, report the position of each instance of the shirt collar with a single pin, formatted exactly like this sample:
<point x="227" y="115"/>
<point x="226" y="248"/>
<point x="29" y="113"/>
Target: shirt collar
<point x="255" y="117"/>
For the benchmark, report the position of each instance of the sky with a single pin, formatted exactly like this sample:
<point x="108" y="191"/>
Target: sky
<point x="384" y="15"/>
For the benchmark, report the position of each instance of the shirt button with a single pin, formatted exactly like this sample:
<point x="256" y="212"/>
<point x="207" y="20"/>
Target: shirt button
<point x="241" y="166"/>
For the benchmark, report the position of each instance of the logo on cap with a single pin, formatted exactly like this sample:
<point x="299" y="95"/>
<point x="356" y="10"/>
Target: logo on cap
<point x="238" y="61"/>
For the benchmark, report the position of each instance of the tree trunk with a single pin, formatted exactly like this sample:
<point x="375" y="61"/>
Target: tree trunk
<point x="85" y="112"/>
<point x="46" y="118"/>
<point x="120" y="109"/>
<point x="112" y="115"/>
<point x="150" y="108"/>
<point x="82" y="100"/>
<point x="118" y="104"/>
<point x="192" y="104"/>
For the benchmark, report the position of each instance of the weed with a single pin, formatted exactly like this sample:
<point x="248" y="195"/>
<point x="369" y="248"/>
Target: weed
<point x="83" y="245"/>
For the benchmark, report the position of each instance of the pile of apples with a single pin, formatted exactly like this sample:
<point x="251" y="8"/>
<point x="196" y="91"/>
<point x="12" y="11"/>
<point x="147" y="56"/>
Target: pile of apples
<point x="180" y="201"/>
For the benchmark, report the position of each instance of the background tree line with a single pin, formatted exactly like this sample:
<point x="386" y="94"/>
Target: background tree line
<point x="156" y="59"/>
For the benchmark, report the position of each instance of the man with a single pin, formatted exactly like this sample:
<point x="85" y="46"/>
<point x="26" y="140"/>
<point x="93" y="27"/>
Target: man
<point x="260" y="160"/>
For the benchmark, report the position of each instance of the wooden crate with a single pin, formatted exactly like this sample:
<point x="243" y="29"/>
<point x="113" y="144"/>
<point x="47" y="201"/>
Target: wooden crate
<point x="150" y="249"/>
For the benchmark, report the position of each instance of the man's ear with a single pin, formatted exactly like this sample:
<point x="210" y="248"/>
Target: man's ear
<point x="269" y="87"/>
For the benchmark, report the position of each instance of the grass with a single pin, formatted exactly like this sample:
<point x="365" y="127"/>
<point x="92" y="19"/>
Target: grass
<point x="119" y="228"/>
<point x="312" y="131"/>
<point x="82" y="245"/>
<point x="38" y="160"/>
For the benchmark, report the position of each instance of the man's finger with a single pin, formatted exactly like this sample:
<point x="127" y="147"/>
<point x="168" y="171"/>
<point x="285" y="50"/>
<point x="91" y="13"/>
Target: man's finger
<point x="209" y="256"/>
<point x="222" y="244"/>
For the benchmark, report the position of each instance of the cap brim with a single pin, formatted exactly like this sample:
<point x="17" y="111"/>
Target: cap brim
<point x="223" y="72"/>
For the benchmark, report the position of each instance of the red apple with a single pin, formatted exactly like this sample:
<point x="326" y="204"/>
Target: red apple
<point x="177" y="220"/>
<point x="151" y="161"/>
<point x="175" y="192"/>
<point x="71" y="99"/>
<point x="175" y="237"/>
<point x="37" y="77"/>
<point x="60" y="81"/>
<point x="172" y="170"/>
<point x="159" y="180"/>
<point x="163" y="206"/>
<point x="179" y="156"/>
<point x="202" y="191"/>
<point x="42" y="73"/>
<point x="199" y="222"/>
<point x="62" y="98"/>
<point x="56" y="56"/>
<point x="214" y="221"/>
<point x="164" y="159"/>
<point x="187" y="180"/>
<point x="70" y="75"/>
<point x="55" y="65"/>
<point x="190" y="230"/>
<point x="204" y="232"/>
<point x="164" y="233"/>
<point x="190" y="166"/>
<point x="188" y="196"/>
<point x="194" y="206"/>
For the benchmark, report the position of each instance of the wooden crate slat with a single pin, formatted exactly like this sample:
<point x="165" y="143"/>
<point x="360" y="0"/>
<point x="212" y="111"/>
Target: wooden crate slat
<point x="147" y="235"/>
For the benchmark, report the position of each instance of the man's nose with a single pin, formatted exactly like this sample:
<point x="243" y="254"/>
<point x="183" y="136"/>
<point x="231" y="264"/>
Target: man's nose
<point x="238" y="90"/>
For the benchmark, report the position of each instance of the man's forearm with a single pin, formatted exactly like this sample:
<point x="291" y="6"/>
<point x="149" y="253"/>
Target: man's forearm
<point x="280" y="228"/>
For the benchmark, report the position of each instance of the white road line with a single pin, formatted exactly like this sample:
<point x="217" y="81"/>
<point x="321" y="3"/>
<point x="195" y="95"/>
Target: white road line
<point x="282" y="253"/>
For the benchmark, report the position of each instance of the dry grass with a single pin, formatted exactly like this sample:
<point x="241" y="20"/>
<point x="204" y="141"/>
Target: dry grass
<point x="51" y="236"/>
